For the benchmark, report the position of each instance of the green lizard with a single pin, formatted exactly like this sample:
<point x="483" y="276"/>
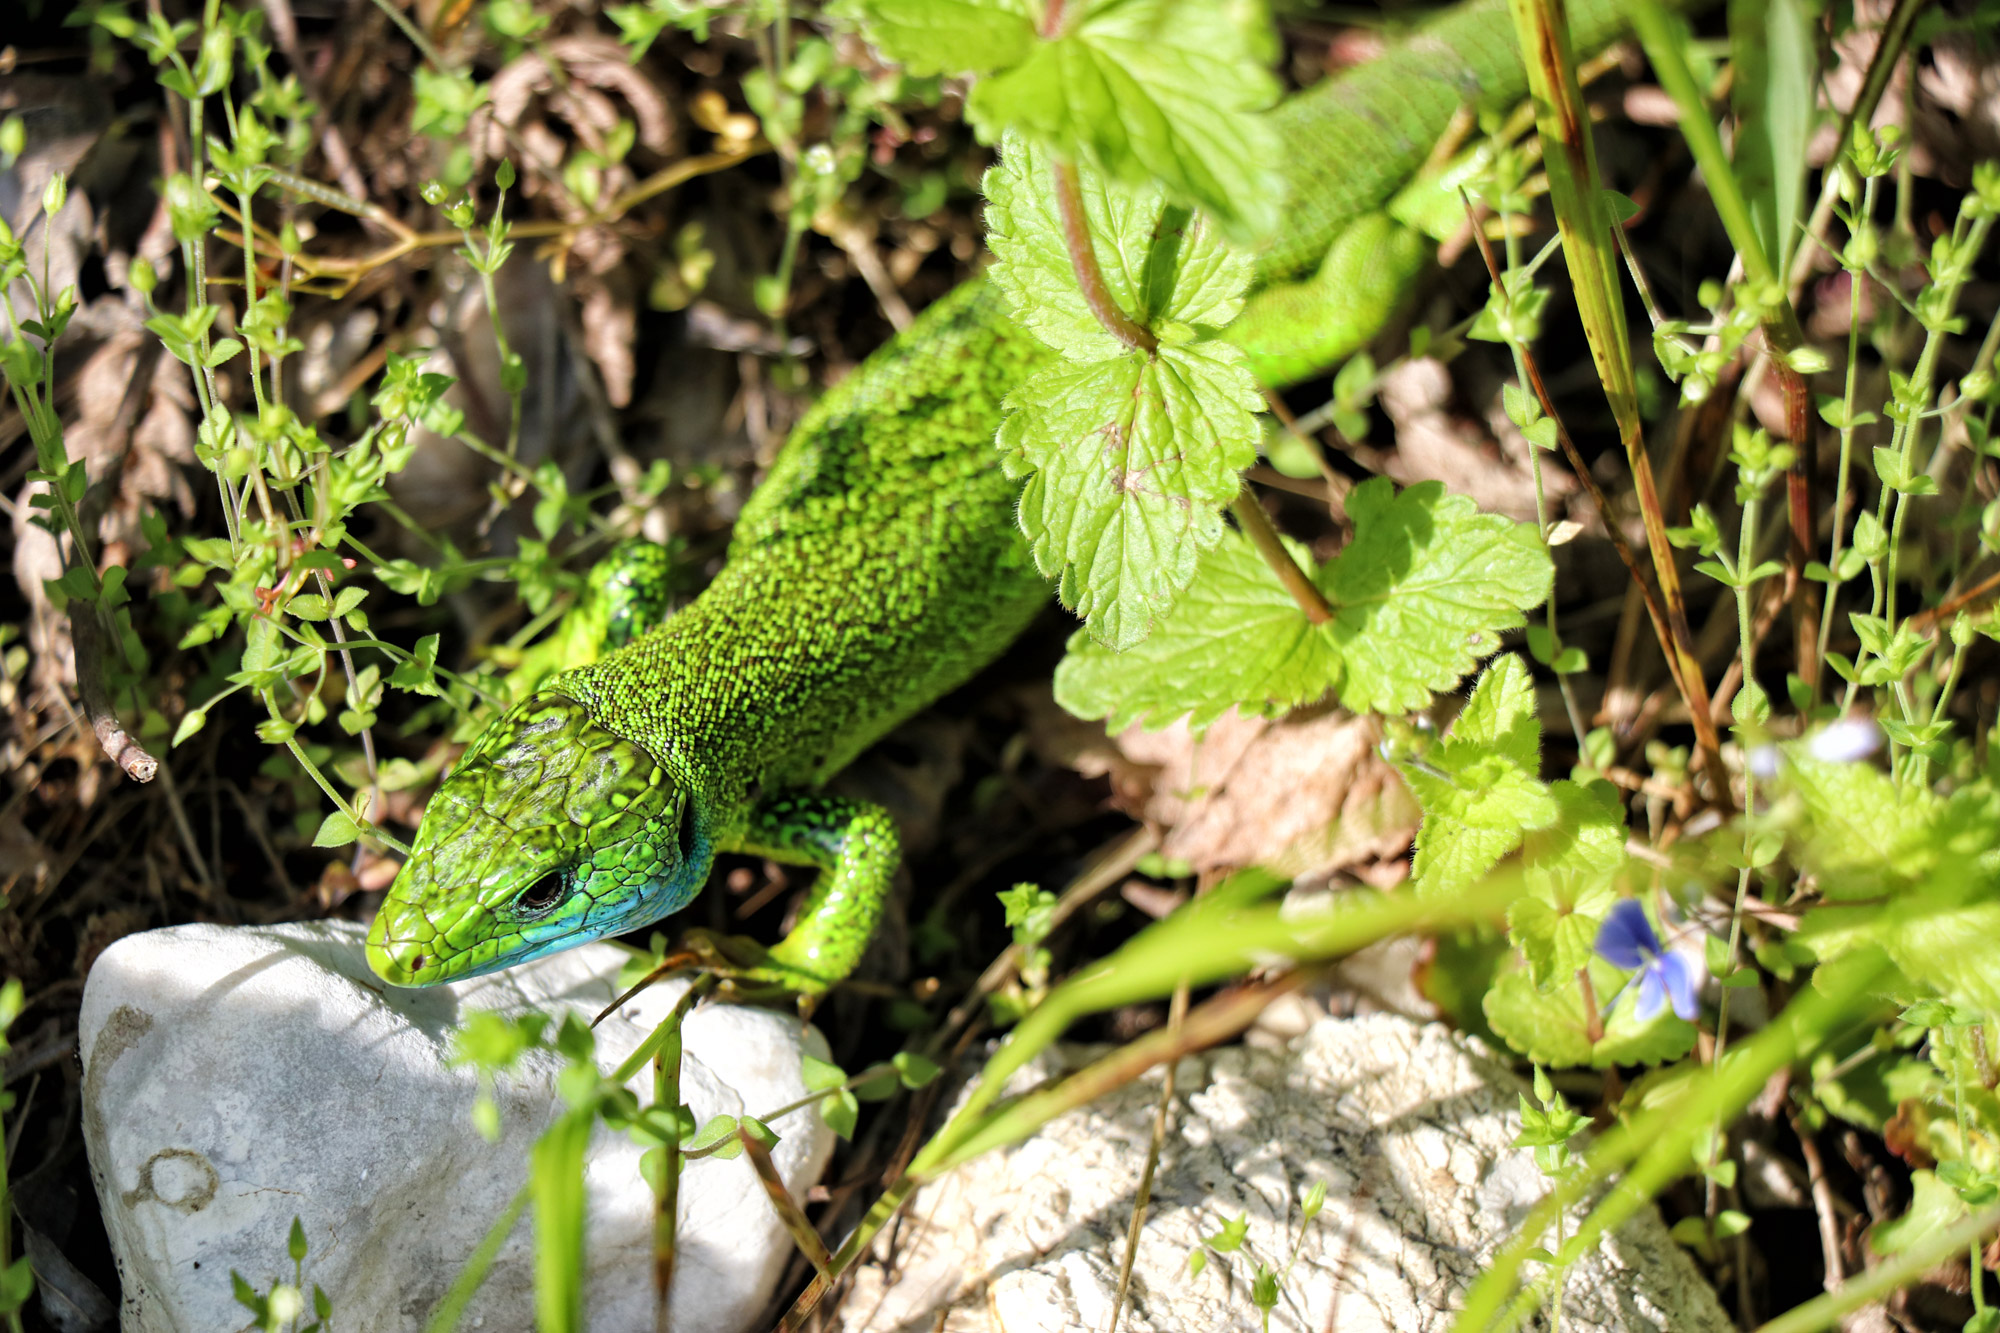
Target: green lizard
<point x="877" y="567"/>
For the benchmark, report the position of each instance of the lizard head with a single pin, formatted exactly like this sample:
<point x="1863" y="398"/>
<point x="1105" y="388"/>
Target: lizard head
<point x="550" y="832"/>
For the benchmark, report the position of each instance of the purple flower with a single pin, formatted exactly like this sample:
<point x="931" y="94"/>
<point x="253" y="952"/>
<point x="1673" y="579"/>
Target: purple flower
<point x="1626" y="939"/>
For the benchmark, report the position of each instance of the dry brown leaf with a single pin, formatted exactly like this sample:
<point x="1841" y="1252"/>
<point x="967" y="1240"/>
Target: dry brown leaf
<point x="1433" y="445"/>
<point x="1307" y="795"/>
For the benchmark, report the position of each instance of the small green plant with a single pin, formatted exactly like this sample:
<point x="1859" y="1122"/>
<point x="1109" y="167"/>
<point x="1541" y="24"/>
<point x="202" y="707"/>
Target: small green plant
<point x="1267" y="1284"/>
<point x="280" y="1309"/>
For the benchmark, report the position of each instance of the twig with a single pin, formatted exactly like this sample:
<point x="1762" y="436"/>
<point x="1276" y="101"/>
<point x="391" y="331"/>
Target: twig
<point x="1822" y="1197"/>
<point x="122" y="750"/>
<point x="345" y="273"/>
<point x="1176" y="1016"/>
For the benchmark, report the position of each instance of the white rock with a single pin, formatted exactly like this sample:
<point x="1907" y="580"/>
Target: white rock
<point x="236" y="1077"/>
<point x="1408" y="1126"/>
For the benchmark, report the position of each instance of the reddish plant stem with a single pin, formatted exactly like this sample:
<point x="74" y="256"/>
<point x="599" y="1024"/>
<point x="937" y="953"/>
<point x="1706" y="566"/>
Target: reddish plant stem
<point x="1083" y="260"/>
<point x="1097" y="295"/>
<point x="1256" y="525"/>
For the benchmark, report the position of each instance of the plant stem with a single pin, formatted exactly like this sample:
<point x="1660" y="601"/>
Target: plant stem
<point x="1257" y="527"/>
<point x="1846" y="442"/>
<point x="1746" y="560"/>
<point x="1083" y="260"/>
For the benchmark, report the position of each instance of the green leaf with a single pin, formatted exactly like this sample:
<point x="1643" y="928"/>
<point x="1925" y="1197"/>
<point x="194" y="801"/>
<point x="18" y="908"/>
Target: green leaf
<point x="1934" y="1206"/>
<point x="1161" y="264"/>
<point x="1478" y="786"/>
<point x="1869" y="1093"/>
<point x="17" y="1285"/>
<point x="819" y="1075"/>
<point x="336" y="830"/>
<point x="946" y="36"/>
<point x="1775" y="60"/>
<point x="246" y="1295"/>
<point x="1132" y="460"/>
<point x="418" y="674"/>
<point x="1551" y="1028"/>
<point x="191" y="722"/>
<point x="914" y="1070"/>
<point x="1501" y="715"/>
<point x="1230" y="1239"/>
<point x="1151" y="90"/>
<point x="1237" y="639"/>
<point x="1132" y="455"/>
<point x="489" y="1042"/>
<point x="1423" y="590"/>
<point x="716" y="1131"/>
<point x="1429" y="583"/>
<point x="840" y="1111"/>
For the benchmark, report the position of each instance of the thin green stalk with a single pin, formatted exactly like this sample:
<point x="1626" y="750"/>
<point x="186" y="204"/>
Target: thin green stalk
<point x="368" y="830"/>
<point x="1512" y="244"/>
<point x="1966" y="241"/>
<point x="7" y="1223"/>
<point x="1833" y="586"/>
<point x="459" y="1294"/>
<point x="1903" y="439"/>
<point x="667" y="1188"/>
<point x="1746" y="560"/>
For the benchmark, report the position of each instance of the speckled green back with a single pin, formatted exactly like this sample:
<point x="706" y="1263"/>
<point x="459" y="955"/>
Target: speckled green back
<point x="876" y="567"/>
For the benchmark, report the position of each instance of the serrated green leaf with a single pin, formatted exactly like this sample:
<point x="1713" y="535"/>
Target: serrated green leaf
<point x="946" y="36"/>
<point x="1551" y="1028"/>
<point x="1555" y="942"/>
<point x="1869" y="1093"/>
<point x="1422" y="592"/>
<point x="1132" y="460"/>
<point x="1237" y="638"/>
<point x="1478" y="787"/>
<point x="1433" y="574"/>
<point x="1151" y="90"/>
<point x="1161" y="264"/>
<point x="1500" y="715"/>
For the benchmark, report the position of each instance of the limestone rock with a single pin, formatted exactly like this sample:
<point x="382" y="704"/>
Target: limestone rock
<point x="237" y="1076"/>
<point x="1410" y="1128"/>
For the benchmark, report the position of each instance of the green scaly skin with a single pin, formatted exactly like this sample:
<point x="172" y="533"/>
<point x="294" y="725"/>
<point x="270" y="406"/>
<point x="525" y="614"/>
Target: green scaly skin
<point x="877" y="567"/>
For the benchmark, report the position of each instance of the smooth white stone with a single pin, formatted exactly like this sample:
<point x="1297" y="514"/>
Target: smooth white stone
<point x="237" y="1076"/>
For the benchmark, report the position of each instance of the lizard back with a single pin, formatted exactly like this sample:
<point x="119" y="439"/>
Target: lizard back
<point x="876" y="567"/>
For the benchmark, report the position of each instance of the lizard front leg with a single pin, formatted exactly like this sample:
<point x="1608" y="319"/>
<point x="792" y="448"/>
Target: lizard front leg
<point x="853" y="845"/>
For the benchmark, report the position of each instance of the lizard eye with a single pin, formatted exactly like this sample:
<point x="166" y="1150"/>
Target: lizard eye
<point x="543" y="893"/>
